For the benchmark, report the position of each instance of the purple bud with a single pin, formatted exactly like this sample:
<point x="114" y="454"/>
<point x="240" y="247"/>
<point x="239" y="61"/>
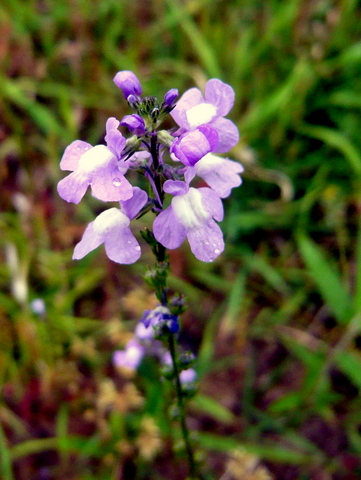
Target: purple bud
<point x="132" y="100"/>
<point x="170" y="96"/>
<point x="38" y="306"/>
<point x="173" y="324"/>
<point x="167" y="359"/>
<point x="188" y="376"/>
<point x="128" y="83"/>
<point x="134" y="123"/>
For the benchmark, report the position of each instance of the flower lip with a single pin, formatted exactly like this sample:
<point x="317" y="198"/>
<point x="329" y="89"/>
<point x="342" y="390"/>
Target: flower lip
<point x="94" y="159"/>
<point x="111" y="227"/>
<point x="108" y="220"/>
<point x="192" y="215"/>
<point x="190" y="210"/>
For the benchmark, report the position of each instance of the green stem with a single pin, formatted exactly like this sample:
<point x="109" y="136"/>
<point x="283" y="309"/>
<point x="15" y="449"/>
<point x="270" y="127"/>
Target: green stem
<point x="161" y="255"/>
<point x="181" y="407"/>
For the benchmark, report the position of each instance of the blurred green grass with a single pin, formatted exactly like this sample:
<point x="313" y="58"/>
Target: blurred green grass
<point x="275" y="321"/>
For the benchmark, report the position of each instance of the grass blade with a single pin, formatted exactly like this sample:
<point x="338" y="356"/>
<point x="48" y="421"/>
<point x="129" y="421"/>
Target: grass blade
<point x="327" y="279"/>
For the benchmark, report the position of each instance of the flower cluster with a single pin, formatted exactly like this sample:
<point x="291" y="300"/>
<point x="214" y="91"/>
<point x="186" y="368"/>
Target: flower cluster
<point x="146" y="341"/>
<point x="170" y="160"/>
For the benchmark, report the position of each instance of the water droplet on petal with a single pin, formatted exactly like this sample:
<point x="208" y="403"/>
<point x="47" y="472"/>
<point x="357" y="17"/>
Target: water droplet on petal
<point x="129" y="242"/>
<point x="206" y="243"/>
<point x="117" y="182"/>
<point x="216" y="251"/>
<point x="137" y="247"/>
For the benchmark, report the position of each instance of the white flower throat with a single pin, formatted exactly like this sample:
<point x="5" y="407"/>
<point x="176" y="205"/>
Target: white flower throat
<point x="200" y="114"/>
<point x="190" y="210"/>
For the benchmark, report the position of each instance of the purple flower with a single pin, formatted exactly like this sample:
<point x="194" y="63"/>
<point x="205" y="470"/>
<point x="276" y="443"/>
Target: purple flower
<point x="160" y="315"/>
<point x="96" y="166"/>
<point x="130" y="357"/>
<point x="134" y="123"/>
<point x="143" y="332"/>
<point x="111" y="227"/>
<point x="192" y="146"/>
<point x="128" y="83"/>
<point x="221" y="174"/>
<point x="191" y="214"/>
<point x="193" y="110"/>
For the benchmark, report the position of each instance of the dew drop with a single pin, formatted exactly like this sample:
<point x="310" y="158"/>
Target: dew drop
<point x="216" y="251"/>
<point x="129" y="242"/>
<point x="206" y="243"/>
<point x="137" y="247"/>
<point x="117" y="182"/>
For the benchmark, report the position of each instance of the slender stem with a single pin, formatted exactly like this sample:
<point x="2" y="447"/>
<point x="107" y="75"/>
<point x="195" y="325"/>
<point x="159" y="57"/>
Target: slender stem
<point x="154" y="187"/>
<point x="157" y="179"/>
<point x="162" y="293"/>
<point x="161" y="255"/>
<point x="181" y="407"/>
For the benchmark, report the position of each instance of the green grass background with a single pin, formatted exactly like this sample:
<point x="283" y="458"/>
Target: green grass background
<point x="275" y="321"/>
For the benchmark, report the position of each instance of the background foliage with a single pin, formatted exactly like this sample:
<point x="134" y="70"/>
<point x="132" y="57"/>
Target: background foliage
<point x="275" y="322"/>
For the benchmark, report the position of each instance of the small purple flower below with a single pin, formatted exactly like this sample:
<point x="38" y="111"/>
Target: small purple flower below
<point x="131" y="357"/>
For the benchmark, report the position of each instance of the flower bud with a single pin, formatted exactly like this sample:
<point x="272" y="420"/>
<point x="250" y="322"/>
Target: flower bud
<point x="165" y="138"/>
<point x="170" y="96"/>
<point x="134" y="123"/>
<point x="128" y="83"/>
<point x="177" y="304"/>
<point x="185" y="360"/>
<point x="188" y="376"/>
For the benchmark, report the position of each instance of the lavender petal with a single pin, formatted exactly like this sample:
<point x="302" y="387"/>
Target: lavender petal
<point x="72" y="155"/>
<point x="228" y="134"/>
<point x="168" y="230"/>
<point x="220" y="95"/>
<point x="133" y="205"/>
<point x="206" y="242"/>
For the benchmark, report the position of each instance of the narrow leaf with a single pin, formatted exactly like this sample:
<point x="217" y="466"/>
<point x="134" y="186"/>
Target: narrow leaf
<point x="327" y="279"/>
